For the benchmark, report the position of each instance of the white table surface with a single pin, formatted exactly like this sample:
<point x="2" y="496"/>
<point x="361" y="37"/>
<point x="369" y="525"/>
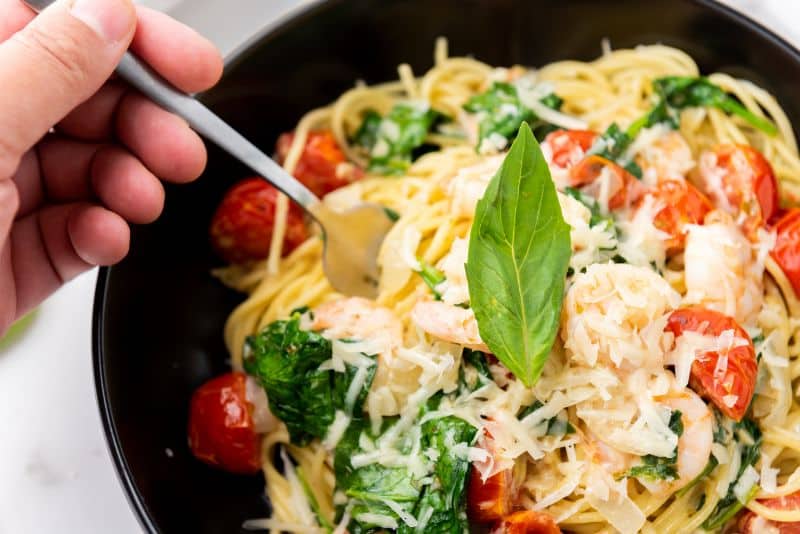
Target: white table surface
<point x="56" y="474"/>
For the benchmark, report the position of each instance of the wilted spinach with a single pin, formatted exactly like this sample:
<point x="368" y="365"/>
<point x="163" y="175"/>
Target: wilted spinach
<point x="285" y="359"/>
<point x="659" y="467"/>
<point x="680" y="92"/>
<point x="500" y="111"/>
<point x="391" y="140"/>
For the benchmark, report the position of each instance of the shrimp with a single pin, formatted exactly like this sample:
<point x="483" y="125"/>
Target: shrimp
<point x="721" y="271"/>
<point x="450" y="323"/>
<point x="359" y="318"/>
<point x="614" y="314"/>
<point x="694" y="445"/>
<point x="669" y="157"/>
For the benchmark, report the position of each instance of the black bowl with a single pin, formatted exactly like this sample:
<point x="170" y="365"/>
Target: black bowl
<point x="158" y="315"/>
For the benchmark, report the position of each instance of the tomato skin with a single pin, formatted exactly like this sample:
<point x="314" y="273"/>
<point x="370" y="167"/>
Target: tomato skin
<point x="527" y="522"/>
<point x="739" y="378"/>
<point x="221" y="428"/>
<point x="627" y="188"/>
<point x="750" y="523"/>
<point x="241" y="229"/>
<point x="569" y="145"/>
<point x="491" y="500"/>
<point x="322" y="167"/>
<point x="787" y="246"/>
<point x="748" y="182"/>
<point x="683" y="204"/>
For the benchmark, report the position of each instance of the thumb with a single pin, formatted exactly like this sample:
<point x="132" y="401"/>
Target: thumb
<point x="54" y="64"/>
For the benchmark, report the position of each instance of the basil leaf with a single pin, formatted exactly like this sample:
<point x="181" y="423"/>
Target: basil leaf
<point x="519" y="251"/>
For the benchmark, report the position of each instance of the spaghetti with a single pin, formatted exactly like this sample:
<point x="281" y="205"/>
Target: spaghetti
<point x="617" y="374"/>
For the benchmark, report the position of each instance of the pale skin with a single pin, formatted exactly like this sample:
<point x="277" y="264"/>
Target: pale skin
<point x="82" y="156"/>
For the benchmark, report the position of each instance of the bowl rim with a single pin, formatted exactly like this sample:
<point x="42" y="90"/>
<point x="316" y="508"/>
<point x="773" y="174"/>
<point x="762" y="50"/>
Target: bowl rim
<point x="135" y="498"/>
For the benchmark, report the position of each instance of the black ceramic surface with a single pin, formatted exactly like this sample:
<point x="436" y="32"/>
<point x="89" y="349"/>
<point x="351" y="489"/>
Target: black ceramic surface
<point x="159" y="315"/>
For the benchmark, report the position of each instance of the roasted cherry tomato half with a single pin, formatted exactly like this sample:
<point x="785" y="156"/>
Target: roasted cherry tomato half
<point x="490" y="500"/>
<point x="623" y="188"/>
<point x="730" y="388"/>
<point x="682" y="204"/>
<point x="241" y="229"/>
<point x="322" y="167"/>
<point x="738" y="178"/>
<point x="221" y="428"/>
<point x="493" y="499"/>
<point x="527" y="522"/>
<point x="569" y="146"/>
<point x="750" y="523"/>
<point x="787" y="247"/>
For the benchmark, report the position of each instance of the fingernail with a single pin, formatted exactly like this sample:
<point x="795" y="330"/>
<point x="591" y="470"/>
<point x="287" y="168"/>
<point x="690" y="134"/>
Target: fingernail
<point x="110" y="19"/>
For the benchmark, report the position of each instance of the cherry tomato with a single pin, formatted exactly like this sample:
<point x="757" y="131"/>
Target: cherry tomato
<point x="624" y="189"/>
<point x="493" y="499"/>
<point x="527" y="522"/>
<point x="241" y="229"/>
<point x="221" y="428"/>
<point x="745" y="178"/>
<point x="787" y="246"/>
<point x="750" y="523"/>
<point x="730" y="389"/>
<point x="569" y="146"/>
<point x="683" y="204"/>
<point x="323" y="166"/>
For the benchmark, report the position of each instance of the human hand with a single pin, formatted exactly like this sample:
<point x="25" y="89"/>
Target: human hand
<point x="81" y="156"/>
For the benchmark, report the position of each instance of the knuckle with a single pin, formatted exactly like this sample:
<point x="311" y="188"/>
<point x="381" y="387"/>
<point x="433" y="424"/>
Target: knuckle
<point x="61" y="54"/>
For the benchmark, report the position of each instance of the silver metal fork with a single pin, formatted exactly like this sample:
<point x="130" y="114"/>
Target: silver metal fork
<point x="351" y="238"/>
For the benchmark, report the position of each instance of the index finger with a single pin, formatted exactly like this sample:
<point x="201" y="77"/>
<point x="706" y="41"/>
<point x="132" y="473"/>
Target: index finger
<point x="180" y="54"/>
<point x="14" y="15"/>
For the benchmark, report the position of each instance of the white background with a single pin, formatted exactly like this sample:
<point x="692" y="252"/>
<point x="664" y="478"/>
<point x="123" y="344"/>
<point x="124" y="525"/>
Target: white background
<point x="55" y="471"/>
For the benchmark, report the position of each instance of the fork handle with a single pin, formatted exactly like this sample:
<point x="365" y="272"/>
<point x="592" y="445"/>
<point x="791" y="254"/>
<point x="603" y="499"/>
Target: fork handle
<point x="205" y="122"/>
<point x="209" y="125"/>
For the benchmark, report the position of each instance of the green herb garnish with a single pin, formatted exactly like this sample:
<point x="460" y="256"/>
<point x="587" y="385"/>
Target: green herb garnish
<point x="501" y="112"/>
<point x="519" y="251"/>
<point x="391" y="140"/>
<point x="748" y="435"/>
<point x="613" y="145"/>
<point x="680" y="92"/>
<point x="431" y="276"/>
<point x="659" y="467"/>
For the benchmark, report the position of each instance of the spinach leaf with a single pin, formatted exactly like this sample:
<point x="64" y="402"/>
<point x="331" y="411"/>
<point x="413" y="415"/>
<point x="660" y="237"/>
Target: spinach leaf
<point x="431" y="276"/>
<point x="597" y="216"/>
<point x="392" y="139"/>
<point x="519" y="251"/>
<point x="439" y="502"/>
<point x="285" y="359"/>
<point x="368" y="487"/>
<point x="747" y="433"/>
<point x="612" y="145"/>
<point x="442" y="503"/>
<point x="659" y="467"/>
<point x="501" y="112"/>
<point x="710" y="466"/>
<point x="475" y="360"/>
<point x="680" y="92"/>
